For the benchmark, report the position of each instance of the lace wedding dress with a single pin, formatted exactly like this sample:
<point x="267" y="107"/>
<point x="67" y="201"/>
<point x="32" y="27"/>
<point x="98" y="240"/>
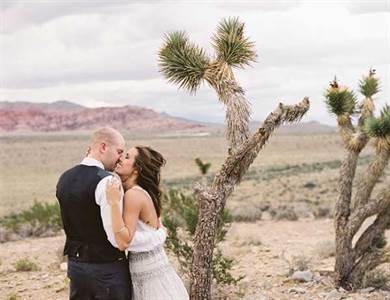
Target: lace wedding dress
<point x="152" y="275"/>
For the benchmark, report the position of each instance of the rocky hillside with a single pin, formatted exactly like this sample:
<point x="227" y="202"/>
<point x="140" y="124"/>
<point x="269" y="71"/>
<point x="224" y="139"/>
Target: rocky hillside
<point x="67" y="116"/>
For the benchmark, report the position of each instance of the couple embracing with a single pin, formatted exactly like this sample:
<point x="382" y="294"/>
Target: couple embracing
<point x="110" y="208"/>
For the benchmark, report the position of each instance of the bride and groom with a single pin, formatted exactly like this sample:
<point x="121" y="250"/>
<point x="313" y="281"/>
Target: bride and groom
<point x="108" y="214"/>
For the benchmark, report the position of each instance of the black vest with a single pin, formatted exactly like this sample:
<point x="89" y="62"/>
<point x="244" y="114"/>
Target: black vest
<point x="86" y="240"/>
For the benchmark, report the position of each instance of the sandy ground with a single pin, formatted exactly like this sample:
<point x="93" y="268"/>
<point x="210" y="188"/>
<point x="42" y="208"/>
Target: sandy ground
<point x="262" y="251"/>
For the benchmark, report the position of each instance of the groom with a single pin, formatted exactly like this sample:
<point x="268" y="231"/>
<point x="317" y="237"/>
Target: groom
<point x="96" y="269"/>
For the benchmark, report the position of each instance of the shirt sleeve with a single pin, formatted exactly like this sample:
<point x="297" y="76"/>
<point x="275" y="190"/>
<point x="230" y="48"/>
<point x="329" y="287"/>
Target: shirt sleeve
<point x="105" y="208"/>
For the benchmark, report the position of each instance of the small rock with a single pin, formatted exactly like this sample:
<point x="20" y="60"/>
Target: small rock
<point x="367" y="290"/>
<point x="335" y="295"/>
<point x="342" y="290"/>
<point x="3" y="235"/>
<point x="297" y="290"/>
<point x="47" y="233"/>
<point x="64" y="266"/>
<point x="303" y="276"/>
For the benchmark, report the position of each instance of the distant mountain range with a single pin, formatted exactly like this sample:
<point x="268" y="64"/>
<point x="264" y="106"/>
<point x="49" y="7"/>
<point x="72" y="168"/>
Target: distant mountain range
<point x="67" y="116"/>
<point x="61" y="116"/>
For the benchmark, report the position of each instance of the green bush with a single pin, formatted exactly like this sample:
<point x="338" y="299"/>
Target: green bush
<point x="180" y="217"/>
<point x="25" y="265"/>
<point x="41" y="216"/>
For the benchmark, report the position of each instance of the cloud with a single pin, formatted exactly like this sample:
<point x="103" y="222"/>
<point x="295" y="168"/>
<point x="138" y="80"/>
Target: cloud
<point x="97" y="54"/>
<point x="19" y="14"/>
<point x="368" y="7"/>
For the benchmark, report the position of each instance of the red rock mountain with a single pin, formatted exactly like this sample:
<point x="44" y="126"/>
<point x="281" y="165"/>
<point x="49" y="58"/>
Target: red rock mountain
<point x="67" y="116"/>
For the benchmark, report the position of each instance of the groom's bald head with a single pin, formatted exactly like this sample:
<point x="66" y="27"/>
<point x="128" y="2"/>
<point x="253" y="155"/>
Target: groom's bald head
<point x="107" y="146"/>
<point x="106" y="135"/>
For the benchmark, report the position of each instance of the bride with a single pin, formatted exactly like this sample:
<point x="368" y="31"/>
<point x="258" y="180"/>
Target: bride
<point x="140" y="230"/>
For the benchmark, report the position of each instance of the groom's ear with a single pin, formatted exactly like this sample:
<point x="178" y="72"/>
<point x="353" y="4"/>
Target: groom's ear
<point x="103" y="147"/>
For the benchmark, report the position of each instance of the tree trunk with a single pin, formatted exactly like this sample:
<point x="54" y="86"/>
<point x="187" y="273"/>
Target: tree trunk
<point x="370" y="178"/>
<point x="203" y="248"/>
<point x="354" y="263"/>
<point x="344" y="261"/>
<point x="212" y="200"/>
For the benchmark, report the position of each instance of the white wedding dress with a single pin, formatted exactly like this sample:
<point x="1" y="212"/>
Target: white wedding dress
<point x="152" y="275"/>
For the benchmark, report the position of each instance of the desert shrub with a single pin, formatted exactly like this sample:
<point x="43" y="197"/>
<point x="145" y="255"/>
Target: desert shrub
<point x="251" y="241"/>
<point x="322" y="212"/>
<point x="25" y="265"/>
<point x="377" y="278"/>
<point x="284" y="212"/>
<point x="248" y="213"/>
<point x="34" y="221"/>
<point x="325" y="249"/>
<point x="297" y="263"/>
<point x="301" y="263"/>
<point x="13" y="296"/>
<point x="180" y="216"/>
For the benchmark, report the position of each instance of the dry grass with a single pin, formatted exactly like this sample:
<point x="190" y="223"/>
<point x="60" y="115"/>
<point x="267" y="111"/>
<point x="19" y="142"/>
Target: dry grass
<point x="378" y="278"/>
<point x="299" y="171"/>
<point x="25" y="265"/>
<point x="325" y="249"/>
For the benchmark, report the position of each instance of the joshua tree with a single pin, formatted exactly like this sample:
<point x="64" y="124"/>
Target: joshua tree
<point x="187" y="65"/>
<point x="353" y="260"/>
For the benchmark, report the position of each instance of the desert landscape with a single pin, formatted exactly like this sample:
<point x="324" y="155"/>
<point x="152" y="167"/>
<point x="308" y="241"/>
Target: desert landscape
<point x="282" y="211"/>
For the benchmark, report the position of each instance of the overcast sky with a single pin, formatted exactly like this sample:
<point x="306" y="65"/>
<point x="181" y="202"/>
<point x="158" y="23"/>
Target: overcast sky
<point x="104" y="53"/>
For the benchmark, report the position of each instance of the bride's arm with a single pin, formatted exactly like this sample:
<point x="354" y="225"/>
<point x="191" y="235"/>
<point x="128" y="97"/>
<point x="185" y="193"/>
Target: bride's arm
<point x="124" y="229"/>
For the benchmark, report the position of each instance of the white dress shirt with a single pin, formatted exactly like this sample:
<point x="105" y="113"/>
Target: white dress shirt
<point x="101" y="200"/>
<point x="143" y="240"/>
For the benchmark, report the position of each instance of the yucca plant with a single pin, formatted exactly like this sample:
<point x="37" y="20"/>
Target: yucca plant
<point x="203" y="167"/>
<point x="187" y="65"/>
<point x="353" y="261"/>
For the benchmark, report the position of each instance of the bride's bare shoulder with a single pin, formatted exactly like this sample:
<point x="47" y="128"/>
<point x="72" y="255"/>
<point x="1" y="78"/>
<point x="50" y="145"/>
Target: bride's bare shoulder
<point x="136" y="195"/>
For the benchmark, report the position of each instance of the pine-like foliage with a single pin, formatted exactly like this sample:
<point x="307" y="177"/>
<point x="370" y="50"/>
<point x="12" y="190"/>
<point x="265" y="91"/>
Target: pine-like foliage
<point x="230" y="44"/>
<point x="182" y="62"/>
<point x="369" y="85"/>
<point x="379" y="127"/>
<point x="340" y="101"/>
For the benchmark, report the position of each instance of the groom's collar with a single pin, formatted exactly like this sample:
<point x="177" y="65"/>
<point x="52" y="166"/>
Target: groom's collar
<point x="89" y="161"/>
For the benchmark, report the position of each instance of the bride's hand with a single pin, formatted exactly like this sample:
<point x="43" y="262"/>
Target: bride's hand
<point x="113" y="191"/>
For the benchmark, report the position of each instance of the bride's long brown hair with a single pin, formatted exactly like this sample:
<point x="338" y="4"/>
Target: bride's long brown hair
<point x="148" y="162"/>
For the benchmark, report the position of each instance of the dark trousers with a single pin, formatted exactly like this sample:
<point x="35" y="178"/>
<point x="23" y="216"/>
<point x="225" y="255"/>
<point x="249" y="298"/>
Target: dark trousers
<point x="99" y="281"/>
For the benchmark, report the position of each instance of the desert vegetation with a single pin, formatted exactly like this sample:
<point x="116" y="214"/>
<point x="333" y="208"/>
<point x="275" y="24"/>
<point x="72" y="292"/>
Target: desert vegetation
<point x="299" y="171"/>
<point x="187" y="65"/>
<point x="355" y="259"/>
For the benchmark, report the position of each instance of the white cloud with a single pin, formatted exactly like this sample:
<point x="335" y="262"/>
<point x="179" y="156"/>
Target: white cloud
<point x="99" y="52"/>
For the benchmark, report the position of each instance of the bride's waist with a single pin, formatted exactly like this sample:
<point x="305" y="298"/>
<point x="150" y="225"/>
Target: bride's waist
<point x="149" y="260"/>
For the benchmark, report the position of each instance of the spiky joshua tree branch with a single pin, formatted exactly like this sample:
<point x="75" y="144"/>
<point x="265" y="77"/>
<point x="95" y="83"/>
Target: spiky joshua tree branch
<point x="187" y="65"/>
<point x="353" y="261"/>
